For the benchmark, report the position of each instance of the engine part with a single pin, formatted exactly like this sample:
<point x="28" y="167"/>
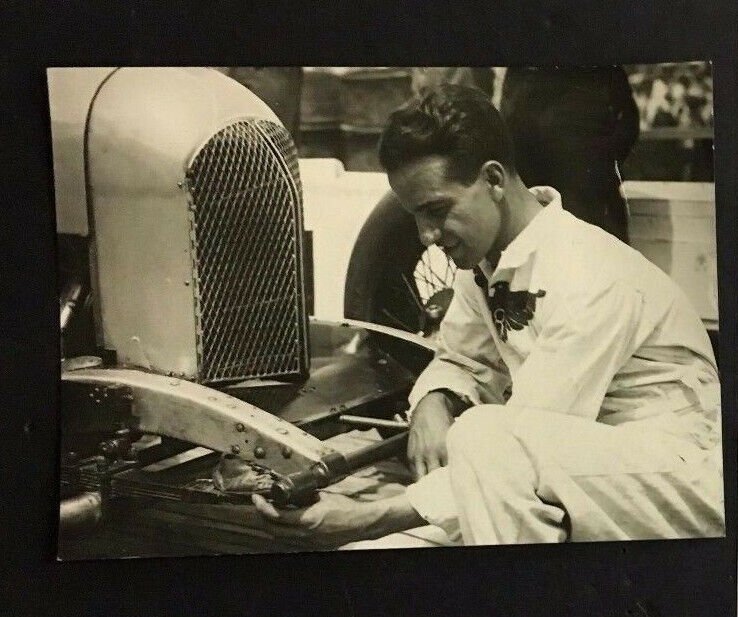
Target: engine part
<point x="80" y="513"/>
<point x="300" y="488"/>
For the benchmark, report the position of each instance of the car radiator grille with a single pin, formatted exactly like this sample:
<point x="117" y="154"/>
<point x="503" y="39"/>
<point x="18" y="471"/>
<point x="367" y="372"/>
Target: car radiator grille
<point x="246" y="243"/>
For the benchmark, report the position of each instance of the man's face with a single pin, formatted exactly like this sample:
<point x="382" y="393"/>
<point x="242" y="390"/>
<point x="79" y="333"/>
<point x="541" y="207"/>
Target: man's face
<point x="462" y="220"/>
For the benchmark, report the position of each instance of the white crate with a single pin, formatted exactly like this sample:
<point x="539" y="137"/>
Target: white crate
<point x="673" y="225"/>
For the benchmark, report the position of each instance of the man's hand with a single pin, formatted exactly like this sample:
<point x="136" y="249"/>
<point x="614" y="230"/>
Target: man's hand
<point x="426" y="445"/>
<point x="336" y="520"/>
<point x="332" y="521"/>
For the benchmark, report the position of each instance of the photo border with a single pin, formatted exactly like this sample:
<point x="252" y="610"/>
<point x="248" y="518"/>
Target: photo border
<point x="695" y="577"/>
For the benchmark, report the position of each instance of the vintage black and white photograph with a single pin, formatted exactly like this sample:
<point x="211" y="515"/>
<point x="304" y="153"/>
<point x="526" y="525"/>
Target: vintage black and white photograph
<point x="339" y="308"/>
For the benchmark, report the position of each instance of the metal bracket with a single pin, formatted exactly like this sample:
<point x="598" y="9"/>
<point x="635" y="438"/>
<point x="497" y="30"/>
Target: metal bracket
<point x="191" y="412"/>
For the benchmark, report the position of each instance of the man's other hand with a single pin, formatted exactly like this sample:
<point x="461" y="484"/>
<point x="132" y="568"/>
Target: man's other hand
<point x="426" y="445"/>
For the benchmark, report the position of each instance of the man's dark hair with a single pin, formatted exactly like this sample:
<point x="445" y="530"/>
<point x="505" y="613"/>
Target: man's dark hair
<point x="457" y="122"/>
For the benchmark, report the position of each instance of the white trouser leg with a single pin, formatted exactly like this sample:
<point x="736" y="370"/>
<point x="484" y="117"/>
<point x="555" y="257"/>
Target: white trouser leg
<point x="523" y="476"/>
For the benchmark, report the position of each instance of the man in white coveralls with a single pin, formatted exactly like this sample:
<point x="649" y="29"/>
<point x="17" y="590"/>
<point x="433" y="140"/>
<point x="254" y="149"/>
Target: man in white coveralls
<point x="575" y="395"/>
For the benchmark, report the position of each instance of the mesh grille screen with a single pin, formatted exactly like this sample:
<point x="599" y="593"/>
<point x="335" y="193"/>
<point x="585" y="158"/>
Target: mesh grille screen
<point x="246" y="223"/>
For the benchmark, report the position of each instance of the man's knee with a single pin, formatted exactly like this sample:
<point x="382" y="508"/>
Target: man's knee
<point x="485" y="424"/>
<point x="485" y="438"/>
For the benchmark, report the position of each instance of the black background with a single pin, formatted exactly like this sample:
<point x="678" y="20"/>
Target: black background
<point x="608" y="579"/>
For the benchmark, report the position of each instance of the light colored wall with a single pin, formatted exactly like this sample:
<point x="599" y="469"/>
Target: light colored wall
<point x="336" y="204"/>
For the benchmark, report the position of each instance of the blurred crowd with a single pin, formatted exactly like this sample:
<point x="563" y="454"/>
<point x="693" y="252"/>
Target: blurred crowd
<point x="670" y="94"/>
<point x="678" y="95"/>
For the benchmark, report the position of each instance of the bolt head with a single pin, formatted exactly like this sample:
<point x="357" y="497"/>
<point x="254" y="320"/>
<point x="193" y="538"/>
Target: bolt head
<point x="259" y="452"/>
<point x="240" y="427"/>
<point x="235" y="449"/>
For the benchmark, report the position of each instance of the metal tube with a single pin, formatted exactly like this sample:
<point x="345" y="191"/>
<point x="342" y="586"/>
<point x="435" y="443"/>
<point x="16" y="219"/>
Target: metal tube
<point x="372" y="422"/>
<point x="69" y="304"/>
<point x="392" y="446"/>
<point x="301" y="488"/>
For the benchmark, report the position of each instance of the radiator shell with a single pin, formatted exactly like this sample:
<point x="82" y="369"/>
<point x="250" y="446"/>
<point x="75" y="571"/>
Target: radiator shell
<point x="145" y="129"/>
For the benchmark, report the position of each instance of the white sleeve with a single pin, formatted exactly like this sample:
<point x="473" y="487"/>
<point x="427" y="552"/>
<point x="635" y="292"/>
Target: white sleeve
<point x="433" y="499"/>
<point x="467" y="361"/>
<point x="585" y="339"/>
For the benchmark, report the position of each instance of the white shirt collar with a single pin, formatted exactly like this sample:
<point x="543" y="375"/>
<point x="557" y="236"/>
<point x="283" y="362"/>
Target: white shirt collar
<point x="528" y="240"/>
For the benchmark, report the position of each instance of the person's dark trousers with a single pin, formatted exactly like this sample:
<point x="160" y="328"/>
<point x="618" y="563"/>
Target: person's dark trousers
<point x="571" y="128"/>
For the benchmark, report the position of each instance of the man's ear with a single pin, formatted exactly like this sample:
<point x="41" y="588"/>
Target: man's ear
<point x="495" y="176"/>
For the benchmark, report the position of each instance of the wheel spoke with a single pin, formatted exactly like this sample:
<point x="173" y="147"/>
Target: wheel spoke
<point x="413" y="294"/>
<point x="434" y="272"/>
<point x="442" y="281"/>
<point x="426" y="279"/>
<point x="397" y="320"/>
<point x="422" y="285"/>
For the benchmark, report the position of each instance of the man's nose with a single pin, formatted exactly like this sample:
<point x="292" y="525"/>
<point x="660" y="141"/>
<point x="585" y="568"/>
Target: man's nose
<point x="429" y="234"/>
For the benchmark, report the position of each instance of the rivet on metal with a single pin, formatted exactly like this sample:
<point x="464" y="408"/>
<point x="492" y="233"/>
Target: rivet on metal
<point x="259" y="452"/>
<point x="283" y="431"/>
<point x="286" y="452"/>
<point x="235" y="449"/>
<point x="240" y="427"/>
